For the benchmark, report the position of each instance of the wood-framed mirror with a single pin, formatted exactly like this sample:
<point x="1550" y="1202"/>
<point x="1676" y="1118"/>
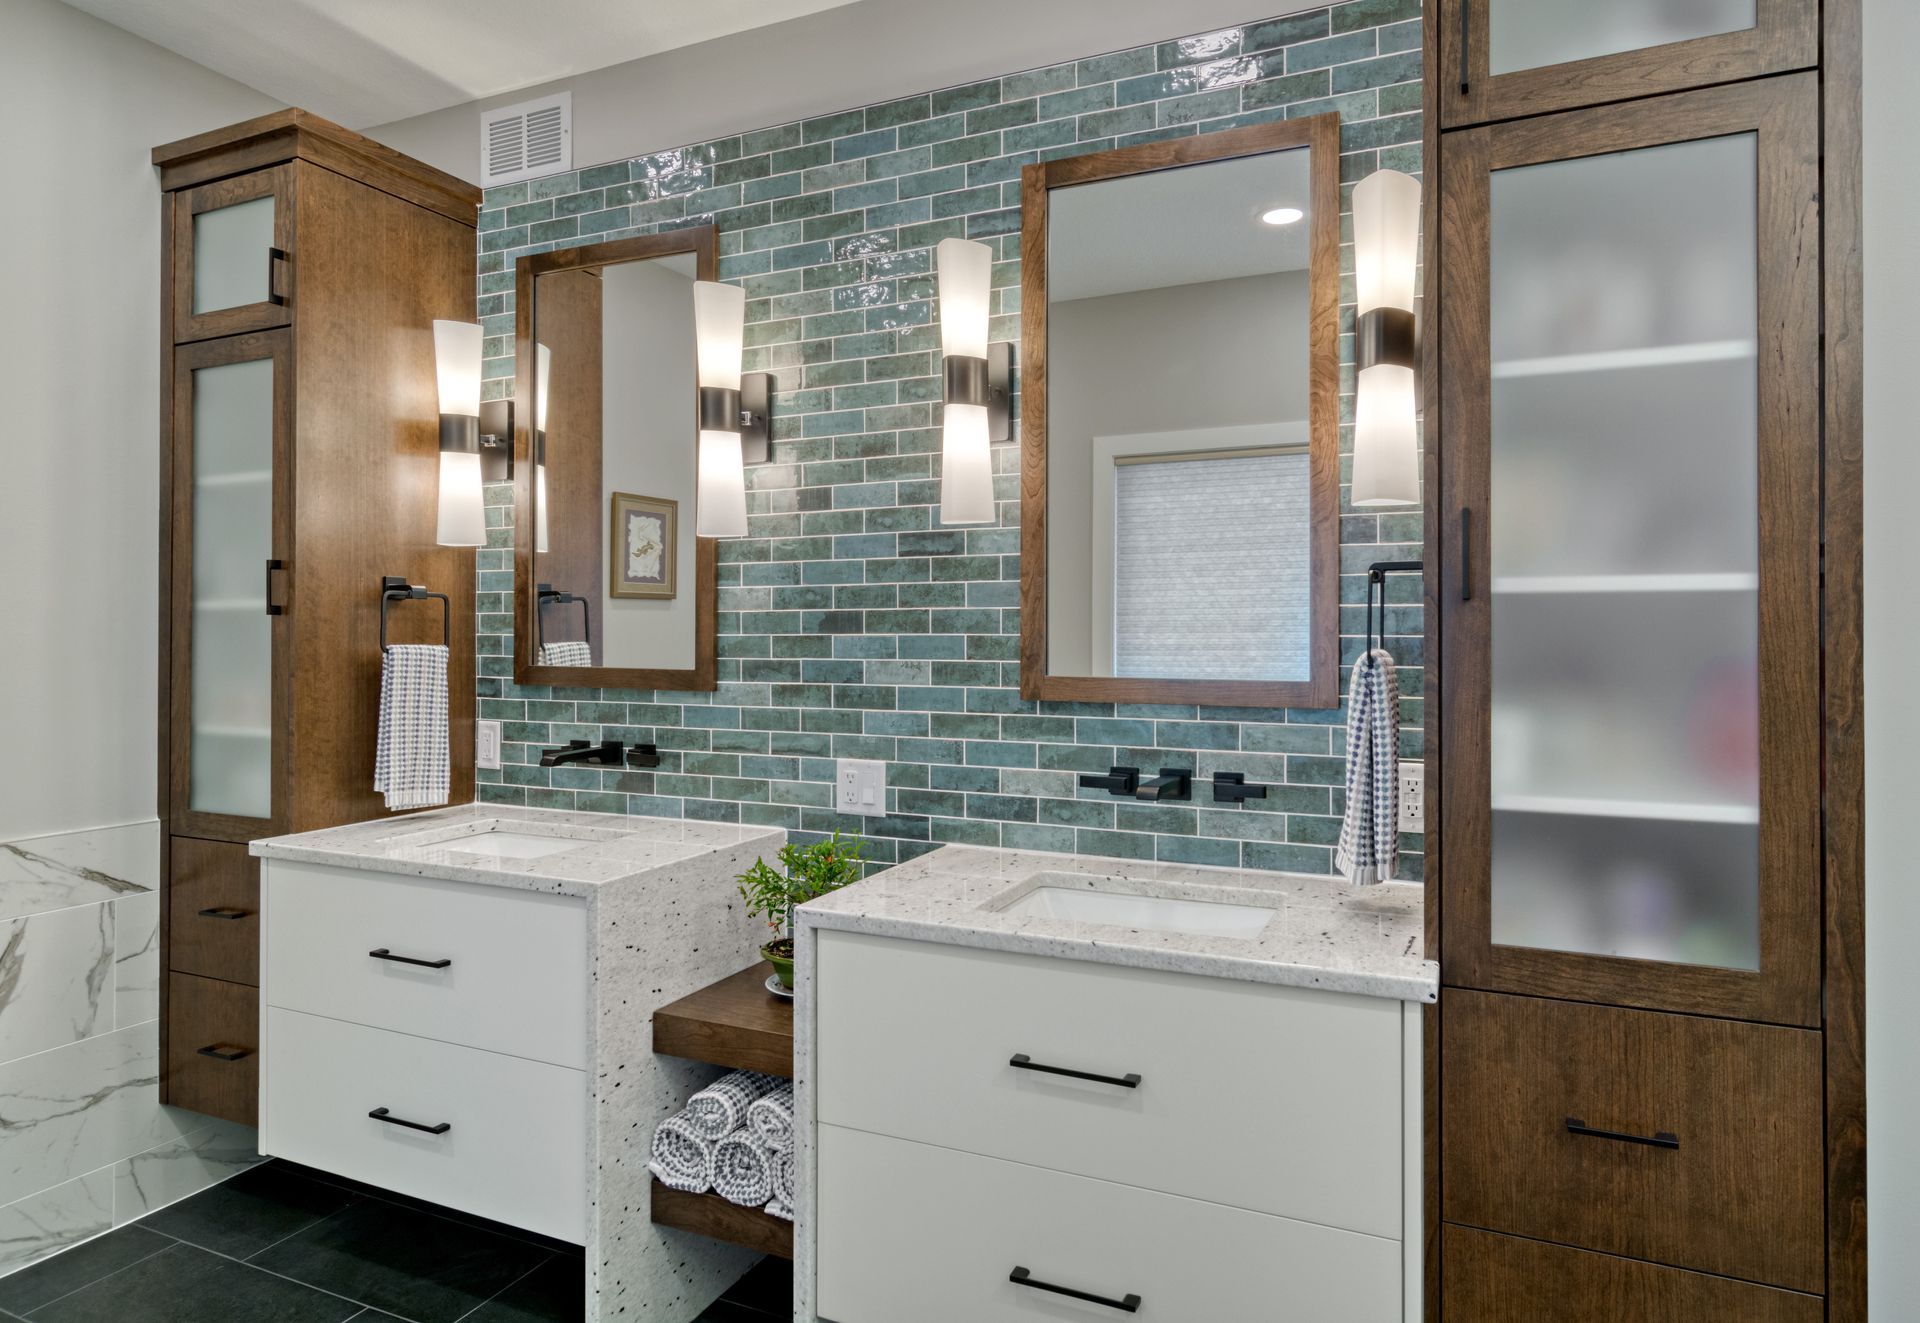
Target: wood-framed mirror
<point x="612" y="589"/>
<point x="1180" y="397"/>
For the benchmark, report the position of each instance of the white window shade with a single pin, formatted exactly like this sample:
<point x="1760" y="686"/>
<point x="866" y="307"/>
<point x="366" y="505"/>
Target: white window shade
<point x="1194" y="604"/>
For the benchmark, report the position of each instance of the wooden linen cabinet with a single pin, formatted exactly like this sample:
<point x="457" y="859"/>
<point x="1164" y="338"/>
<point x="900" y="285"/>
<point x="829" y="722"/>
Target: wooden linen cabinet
<point x="303" y="267"/>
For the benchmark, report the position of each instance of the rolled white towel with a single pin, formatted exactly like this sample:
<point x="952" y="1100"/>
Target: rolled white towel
<point x="782" y="1211"/>
<point x="742" y="1171"/>
<point x="771" y="1118"/>
<point x="721" y="1108"/>
<point x="781" y="1163"/>
<point x="681" y="1156"/>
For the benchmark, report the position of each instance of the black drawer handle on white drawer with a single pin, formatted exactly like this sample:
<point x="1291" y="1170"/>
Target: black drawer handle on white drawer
<point x="1021" y="1061"/>
<point x="224" y="1052"/>
<point x="384" y="954"/>
<point x="1129" y="1304"/>
<point x="382" y="1114"/>
<point x="1659" y="1138"/>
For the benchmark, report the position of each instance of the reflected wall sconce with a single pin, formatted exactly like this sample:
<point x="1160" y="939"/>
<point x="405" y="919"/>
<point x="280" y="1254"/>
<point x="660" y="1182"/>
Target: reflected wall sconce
<point x="462" y="520"/>
<point x="542" y="374"/>
<point x="1386" y="250"/>
<point x="979" y="378"/>
<point x="735" y="429"/>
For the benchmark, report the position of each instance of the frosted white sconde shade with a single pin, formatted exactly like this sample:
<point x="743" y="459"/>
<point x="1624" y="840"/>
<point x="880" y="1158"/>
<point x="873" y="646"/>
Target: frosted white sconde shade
<point x="719" y="326"/>
<point x="463" y="518"/>
<point x="966" y="467"/>
<point x="1386" y="459"/>
<point x="721" y="508"/>
<point x="965" y="268"/>
<point x="542" y="374"/>
<point x="456" y="362"/>
<point x="1386" y="240"/>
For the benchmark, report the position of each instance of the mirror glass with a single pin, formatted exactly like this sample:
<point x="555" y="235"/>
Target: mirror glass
<point x="1178" y="453"/>
<point x="614" y="415"/>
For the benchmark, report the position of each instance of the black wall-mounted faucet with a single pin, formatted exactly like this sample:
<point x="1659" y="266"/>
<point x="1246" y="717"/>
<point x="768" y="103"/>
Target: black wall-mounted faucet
<point x="1172" y="783"/>
<point x="1232" y="788"/>
<point x="1117" y="781"/>
<point x="607" y="753"/>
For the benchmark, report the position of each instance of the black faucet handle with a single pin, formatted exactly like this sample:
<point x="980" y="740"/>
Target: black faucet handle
<point x="643" y="755"/>
<point x="1117" y="781"/>
<point x="1232" y="788"/>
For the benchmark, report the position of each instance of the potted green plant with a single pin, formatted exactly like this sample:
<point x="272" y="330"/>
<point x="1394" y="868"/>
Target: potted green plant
<point x="806" y="871"/>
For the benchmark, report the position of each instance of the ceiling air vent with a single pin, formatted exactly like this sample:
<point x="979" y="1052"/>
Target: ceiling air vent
<point x="524" y="141"/>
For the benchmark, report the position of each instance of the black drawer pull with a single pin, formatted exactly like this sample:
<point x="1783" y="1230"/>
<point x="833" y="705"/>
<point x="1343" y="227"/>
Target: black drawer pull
<point x="384" y="954"/>
<point x="1660" y="1138"/>
<point x="382" y="1114"/>
<point x="273" y="608"/>
<point x="275" y="256"/>
<point x="225" y="912"/>
<point x="1466" y="38"/>
<point x="1466" y="555"/>
<point x="1021" y="1061"/>
<point x="225" y="1052"/>
<point x="1127" y="1305"/>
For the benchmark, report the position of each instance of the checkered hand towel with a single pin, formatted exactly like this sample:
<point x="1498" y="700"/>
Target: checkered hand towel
<point x="771" y="1118"/>
<point x="782" y="1160"/>
<point x="411" y="766"/>
<point x="1370" y="833"/>
<point x="574" y="653"/>
<point x="721" y="1108"/>
<point x="742" y="1171"/>
<point x="681" y="1156"/>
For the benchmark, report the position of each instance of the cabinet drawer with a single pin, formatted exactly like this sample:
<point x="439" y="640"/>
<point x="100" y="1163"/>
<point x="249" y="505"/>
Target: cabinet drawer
<point x="1741" y="1194"/>
<point x="1503" y="1279"/>
<point x="515" y="1147"/>
<point x="213" y="910"/>
<point x="1279" y="1100"/>
<point x="213" y="1047"/>
<point x="515" y="981"/>
<point x="909" y="1231"/>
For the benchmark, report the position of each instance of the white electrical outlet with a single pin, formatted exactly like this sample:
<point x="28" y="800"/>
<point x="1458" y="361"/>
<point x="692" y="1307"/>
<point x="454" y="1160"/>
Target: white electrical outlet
<point x="1413" y="797"/>
<point x="860" y="786"/>
<point x="486" y="745"/>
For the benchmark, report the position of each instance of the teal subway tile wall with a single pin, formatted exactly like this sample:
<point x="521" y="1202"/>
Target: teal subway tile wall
<point x="851" y="623"/>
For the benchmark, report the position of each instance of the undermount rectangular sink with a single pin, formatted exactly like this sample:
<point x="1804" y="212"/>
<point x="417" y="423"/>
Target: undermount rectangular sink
<point x="513" y="845"/>
<point x="1077" y="902"/>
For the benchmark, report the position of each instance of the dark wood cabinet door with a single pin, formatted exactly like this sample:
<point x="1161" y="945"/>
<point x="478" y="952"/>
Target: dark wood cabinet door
<point x="227" y="592"/>
<point x="1630" y="598"/>
<point x="232" y="251"/>
<point x="213" y="1048"/>
<point x="213" y="910"/>
<point x="1501" y="59"/>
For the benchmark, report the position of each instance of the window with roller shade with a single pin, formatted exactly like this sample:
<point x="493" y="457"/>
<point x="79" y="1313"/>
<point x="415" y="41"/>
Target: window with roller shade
<point x="1186" y="602"/>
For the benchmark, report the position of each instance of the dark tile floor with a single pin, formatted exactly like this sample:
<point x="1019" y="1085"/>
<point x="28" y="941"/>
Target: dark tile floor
<point x="283" y="1244"/>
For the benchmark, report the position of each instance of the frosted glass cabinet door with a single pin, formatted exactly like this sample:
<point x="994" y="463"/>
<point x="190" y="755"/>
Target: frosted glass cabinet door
<point x="1631" y="697"/>
<point x="228" y="583"/>
<point x="1502" y="58"/>
<point x="232" y="242"/>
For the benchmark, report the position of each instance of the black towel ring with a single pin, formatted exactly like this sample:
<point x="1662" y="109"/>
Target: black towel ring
<point x="1377" y="576"/>
<point x="546" y="595"/>
<point x="393" y="588"/>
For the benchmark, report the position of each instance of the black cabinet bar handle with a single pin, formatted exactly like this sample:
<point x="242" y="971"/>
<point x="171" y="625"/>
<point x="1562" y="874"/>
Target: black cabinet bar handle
<point x="225" y="1052"/>
<point x="1466" y="555"/>
<point x="1021" y="1061"/>
<point x="382" y="1114"/>
<point x="273" y="607"/>
<point x="1129" y="1304"/>
<point x="384" y="954"/>
<point x="1659" y="1138"/>
<point x="225" y="912"/>
<point x="275" y="256"/>
<point x="1466" y="36"/>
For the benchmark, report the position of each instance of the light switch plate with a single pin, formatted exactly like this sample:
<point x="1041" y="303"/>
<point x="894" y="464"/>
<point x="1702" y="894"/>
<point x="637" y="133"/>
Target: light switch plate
<point x="1413" y="797"/>
<point x="860" y="786"/>
<point x="486" y="745"/>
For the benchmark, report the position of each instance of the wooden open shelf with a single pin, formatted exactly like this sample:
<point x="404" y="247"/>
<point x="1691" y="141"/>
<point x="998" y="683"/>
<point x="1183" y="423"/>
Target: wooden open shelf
<point x="735" y="1023"/>
<point x="710" y="1215"/>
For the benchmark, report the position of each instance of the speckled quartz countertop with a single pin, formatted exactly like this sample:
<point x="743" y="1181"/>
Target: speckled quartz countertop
<point x="439" y="843"/>
<point x="1324" y="933"/>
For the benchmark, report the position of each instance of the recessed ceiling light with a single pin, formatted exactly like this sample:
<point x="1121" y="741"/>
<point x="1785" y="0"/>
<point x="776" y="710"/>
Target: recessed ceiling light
<point x="1282" y="215"/>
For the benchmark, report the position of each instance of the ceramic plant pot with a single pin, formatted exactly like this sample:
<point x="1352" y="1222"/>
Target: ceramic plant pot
<point x="779" y="954"/>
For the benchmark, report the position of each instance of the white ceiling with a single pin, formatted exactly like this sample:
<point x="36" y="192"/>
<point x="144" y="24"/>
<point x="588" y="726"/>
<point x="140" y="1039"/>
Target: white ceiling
<point x="1177" y="227"/>
<point x="368" y="62"/>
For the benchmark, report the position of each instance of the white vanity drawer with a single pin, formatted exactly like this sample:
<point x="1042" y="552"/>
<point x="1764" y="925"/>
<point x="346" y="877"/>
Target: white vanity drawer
<point x="515" y="1149"/>
<point x="1280" y="1100"/>
<point x="909" y="1231"/>
<point x="516" y="980"/>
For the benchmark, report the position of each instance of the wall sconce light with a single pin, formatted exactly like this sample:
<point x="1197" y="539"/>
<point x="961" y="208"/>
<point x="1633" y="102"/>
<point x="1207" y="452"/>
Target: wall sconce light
<point x="735" y="428"/>
<point x="542" y="374"/>
<point x="979" y="380"/>
<point x="456" y="359"/>
<point x="1386" y="250"/>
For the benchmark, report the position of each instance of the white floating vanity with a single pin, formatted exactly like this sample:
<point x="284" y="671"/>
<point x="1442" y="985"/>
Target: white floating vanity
<point x="457" y="1006"/>
<point x="1037" y="1086"/>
